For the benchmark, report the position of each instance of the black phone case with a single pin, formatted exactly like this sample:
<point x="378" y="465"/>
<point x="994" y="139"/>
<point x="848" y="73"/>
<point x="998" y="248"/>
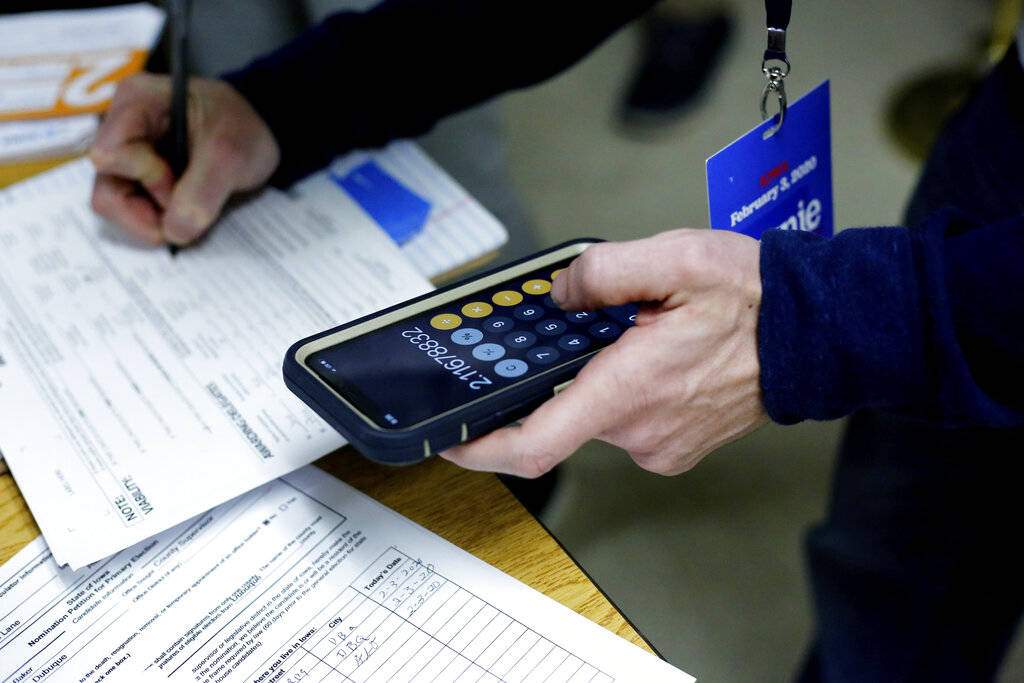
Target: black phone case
<point x="406" y="446"/>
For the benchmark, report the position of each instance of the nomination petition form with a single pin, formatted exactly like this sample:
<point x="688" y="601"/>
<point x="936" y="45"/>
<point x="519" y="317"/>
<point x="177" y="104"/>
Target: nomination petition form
<point x="303" y="579"/>
<point x="139" y="389"/>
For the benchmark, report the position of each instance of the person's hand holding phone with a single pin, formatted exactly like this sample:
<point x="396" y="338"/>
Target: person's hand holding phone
<point x="231" y="150"/>
<point x="681" y="383"/>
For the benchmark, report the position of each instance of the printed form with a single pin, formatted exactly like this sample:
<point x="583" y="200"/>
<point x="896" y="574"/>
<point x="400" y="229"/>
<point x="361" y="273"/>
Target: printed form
<point x="457" y="231"/>
<point x="139" y="389"/>
<point x="59" y="63"/>
<point x="303" y="579"/>
<point x="57" y="68"/>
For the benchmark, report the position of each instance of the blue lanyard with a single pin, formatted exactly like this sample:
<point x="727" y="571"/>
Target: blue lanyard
<point x="775" y="64"/>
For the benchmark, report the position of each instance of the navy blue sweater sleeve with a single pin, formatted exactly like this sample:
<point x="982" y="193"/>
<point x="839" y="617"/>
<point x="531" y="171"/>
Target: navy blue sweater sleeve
<point x="925" y="322"/>
<point x="362" y="79"/>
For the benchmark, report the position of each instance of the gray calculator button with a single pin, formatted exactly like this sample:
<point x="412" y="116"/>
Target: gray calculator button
<point x="488" y="351"/>
<point x="625" y="314"/>
<point x="467" y="336"/>
<point x="528" y="311"/>
<point x="581" y="316"/>
<point x="511" y="367"/>
<point x="520" y="340"/>
<point x="573" y="342"/>
<point x="543" y="355"/>
<point x="604" y="330"/>
<point x="497" y="324"/>
<point x="550" y="328"/>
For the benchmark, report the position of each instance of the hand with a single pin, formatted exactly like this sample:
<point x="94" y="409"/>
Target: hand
<point x="231" y="149"/>
<point x="681" y="383"/>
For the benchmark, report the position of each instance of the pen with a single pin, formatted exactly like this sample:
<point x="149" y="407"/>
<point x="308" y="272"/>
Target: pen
<point x="177" y="145"/>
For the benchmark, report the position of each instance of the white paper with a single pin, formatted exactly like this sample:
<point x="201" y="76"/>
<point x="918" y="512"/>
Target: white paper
<point x="72" y="177"/>
<point x="63" y="62"/>
<point x="65" y="31"/>
<point x="46" y="138"/>
<point x="458" y="229"/>
<point x="56" y="180"/>
<point x="302" y="579"/>
<point x="137" y="389"/>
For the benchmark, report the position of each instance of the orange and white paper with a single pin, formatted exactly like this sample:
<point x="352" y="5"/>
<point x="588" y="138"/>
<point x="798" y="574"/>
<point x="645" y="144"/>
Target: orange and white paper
<point x="69" y="62"/>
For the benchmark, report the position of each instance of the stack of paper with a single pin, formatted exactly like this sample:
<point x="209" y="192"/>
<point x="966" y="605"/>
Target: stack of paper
<point x="58" y="68"/>
<point x="302" y="579"/>
<point x="46" y="138"/>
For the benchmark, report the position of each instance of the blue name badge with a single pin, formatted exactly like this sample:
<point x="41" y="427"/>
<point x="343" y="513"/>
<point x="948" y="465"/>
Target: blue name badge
<point x="785" y="181"/>
<point x="401" y="212"/>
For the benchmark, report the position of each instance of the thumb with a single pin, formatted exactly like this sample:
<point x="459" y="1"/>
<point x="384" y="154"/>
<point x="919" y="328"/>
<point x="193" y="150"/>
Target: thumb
<point x="615" y="273"/>
<point x="198" y="197"/>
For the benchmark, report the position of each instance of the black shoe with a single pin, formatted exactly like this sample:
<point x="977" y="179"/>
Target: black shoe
<point x="678" y="59"/>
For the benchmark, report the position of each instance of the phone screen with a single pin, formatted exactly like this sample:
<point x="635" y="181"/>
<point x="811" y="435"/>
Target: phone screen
<point x="428" y="364"/>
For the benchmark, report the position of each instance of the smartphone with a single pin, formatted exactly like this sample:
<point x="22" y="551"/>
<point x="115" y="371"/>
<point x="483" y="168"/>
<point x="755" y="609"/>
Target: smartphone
<point x="449" y="366"/>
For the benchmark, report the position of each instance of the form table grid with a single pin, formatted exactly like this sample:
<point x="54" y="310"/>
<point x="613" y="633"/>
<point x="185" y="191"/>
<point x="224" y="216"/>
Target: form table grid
<point x="401" y="620"/>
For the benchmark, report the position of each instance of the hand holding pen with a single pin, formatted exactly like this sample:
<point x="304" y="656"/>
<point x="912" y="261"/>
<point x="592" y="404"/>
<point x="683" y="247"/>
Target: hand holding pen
<point x="216" y="145"/>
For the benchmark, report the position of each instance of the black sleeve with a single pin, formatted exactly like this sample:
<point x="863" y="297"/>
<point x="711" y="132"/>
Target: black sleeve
<point x="362" y="79"/>
<point x="925" y="322"/>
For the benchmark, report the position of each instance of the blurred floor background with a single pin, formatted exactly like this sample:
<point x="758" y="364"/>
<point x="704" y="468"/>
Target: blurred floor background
<point x="708" y="565"/>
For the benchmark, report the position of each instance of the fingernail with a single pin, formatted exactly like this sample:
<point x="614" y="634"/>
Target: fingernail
<point x="182" y="224"/>
<point x="151" y="174"/>
<point x="173" y="239"/>
<point x="555" y="295"/>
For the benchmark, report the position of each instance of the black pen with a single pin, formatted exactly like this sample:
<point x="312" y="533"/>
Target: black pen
<point x="177" y="142"/>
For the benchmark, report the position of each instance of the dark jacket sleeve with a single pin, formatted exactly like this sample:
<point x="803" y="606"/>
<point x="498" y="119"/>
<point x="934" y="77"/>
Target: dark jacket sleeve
<point x="925" y="322"/>
<point x="362" y="79"/>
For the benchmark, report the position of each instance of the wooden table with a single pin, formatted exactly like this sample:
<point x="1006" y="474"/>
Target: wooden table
<point x="12" y="173"/>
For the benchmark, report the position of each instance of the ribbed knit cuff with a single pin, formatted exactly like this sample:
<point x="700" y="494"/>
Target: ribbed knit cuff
<point x="840" y="323"/>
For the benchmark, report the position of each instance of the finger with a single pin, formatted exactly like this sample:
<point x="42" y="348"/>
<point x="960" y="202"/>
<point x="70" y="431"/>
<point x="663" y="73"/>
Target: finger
<point x="614" y="273"/>
<point x="138" y="161"/>
<point x="119" y="200"/>
<point x="138" y="116"/>
<point x="553" y="432"/>
<point x="200" y="194"/>
<point x="139" y="111"/>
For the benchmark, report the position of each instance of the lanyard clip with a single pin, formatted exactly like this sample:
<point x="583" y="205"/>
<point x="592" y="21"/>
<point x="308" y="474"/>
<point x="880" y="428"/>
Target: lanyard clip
<point x="775" y="67"/>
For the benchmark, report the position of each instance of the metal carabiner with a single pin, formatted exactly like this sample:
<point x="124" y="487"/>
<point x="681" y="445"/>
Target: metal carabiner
<point x="776" y="84"/>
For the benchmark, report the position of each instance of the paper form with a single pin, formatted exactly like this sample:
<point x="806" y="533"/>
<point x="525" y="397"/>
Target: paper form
<point x="68" y="62"/>
<point x="72" y="177"/>
<point x="46" y="138"/>
<point x="56" y="180"/>
<point x="304" y="579"/>
<point x="458" y="230"/>
<point x="138" y="389"/>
